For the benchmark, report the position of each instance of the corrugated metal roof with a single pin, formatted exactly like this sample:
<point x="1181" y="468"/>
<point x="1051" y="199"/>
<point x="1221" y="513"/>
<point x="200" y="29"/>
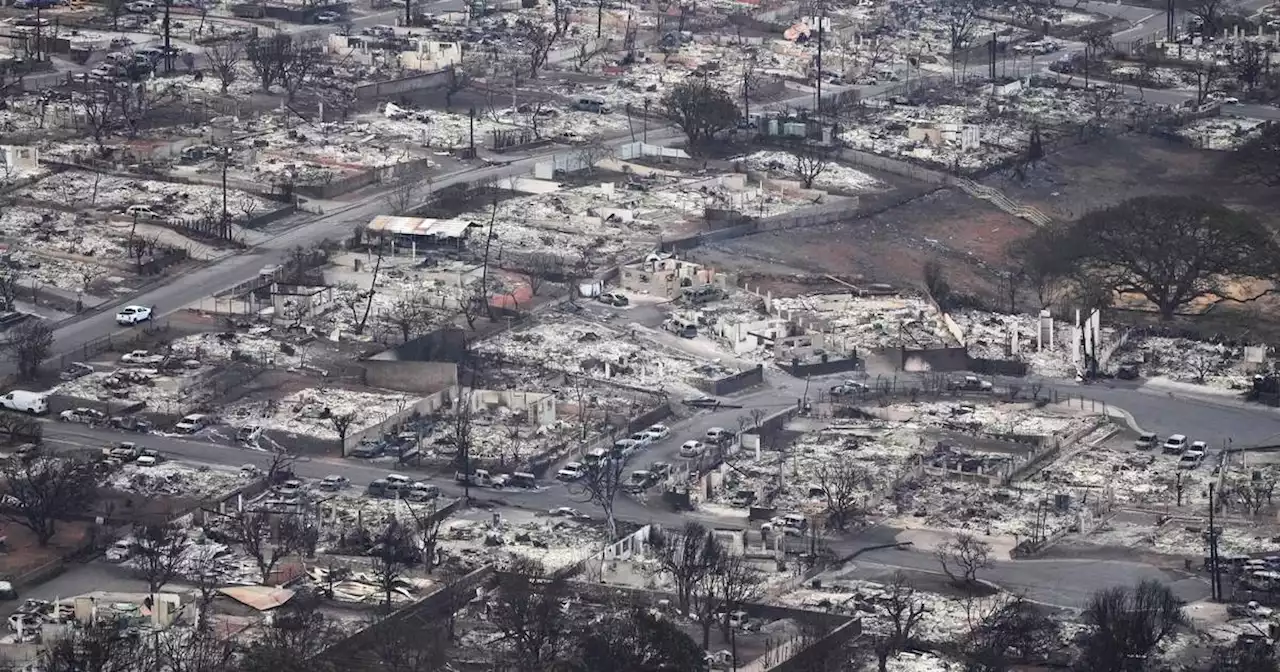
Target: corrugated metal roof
<point x="419" y="226"/>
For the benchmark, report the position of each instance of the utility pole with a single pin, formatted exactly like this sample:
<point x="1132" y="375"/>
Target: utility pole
<point x="822" y="20"/>
<point x="39" y="35"/>
<point x="1216" y="582"/>
<point x="408" y="13"/>
<point x="471" y="118"/>
<point x="646" y="121"/>
<point x="600" y="18"/>
<point x="993" y="58"/>
<point x="168" y="53"/>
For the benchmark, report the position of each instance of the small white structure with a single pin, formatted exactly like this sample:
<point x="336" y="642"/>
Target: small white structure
<point x="16" y="160"/>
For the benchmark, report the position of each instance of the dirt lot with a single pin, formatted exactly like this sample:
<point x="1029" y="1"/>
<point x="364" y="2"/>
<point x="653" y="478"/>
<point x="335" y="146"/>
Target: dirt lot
<point x="1097" y="174"/>
<point x="23" y="554"/>
<point x="967" y="235"/>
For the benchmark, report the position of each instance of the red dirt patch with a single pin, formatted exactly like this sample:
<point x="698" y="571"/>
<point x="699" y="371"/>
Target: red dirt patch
<point x="24" y="555"/>
<point x="967" y="236"/>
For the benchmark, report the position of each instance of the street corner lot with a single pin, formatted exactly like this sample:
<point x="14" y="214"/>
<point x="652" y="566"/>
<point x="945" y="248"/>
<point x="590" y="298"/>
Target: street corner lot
<point x="67" y="251"/>
<point x="886" y="452"/>
<point x="1219" y="366"/>
<point x="947" y="495"/>
<point x="529" y="122"/>
<point x="318" y="413"/>
<point x="582" y="348"/>
<point x="471" y="539"/>
<point x="834" y="177"/>
<point x="948" y="125"/>
<point x="176" y="479"/>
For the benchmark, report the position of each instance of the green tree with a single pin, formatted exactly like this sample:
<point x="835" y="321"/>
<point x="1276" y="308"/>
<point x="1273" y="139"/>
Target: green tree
<point x="1170" y="250"/>
<point x="701" y="110"/>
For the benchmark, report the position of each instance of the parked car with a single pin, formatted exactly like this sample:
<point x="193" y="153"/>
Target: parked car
<point x="328" y="17"/>
<point x="662" y="469"/>
<point x="658" y="432"/>
<point x="126" y="451"/>
<point x="85" y="416"/>
<point x="140" y="210"/>
<point x="719" y="435"/>
<point x="1146" y="441"/>
<point x="142" y="357"/>
<point x="970" y="384"/>
<point x="148" y="461"/>
<point x="641" y="439"/>
<point x="613" y="299"/>
<point x="421" y="492"/>
<point x="334" y="482"/>
<point x="131" y="315"/>
<point x="791" y="524"/>
<point x="192" y="423"/>
<point x="289" y="488"/>
<point x="692" y="448"/>
<point x="639" y="481"/>
<point x="130" y="423"/>
<point x="75" y="370"/>
<point x="1175" y="444"/>
<point x="848" y="388"/>
<point x="625" y="447"/>
<point x="571" y="472"/>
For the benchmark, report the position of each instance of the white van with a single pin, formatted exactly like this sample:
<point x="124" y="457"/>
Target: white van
<point x="35" y="403"/>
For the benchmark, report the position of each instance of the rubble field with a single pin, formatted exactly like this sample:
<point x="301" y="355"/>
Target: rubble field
<point x="161" y="392"/>
<point x="401" y="276"/>
<point x="594" y="350"/>
<point x="885" y="451"/>
<point x="1186" y="361"/>
<point x="114" y="194"/>
<point x="1025" y="509"/>
<point x="871" y="323"/>
<point x="987" y="336"/>
<point x="834" y="177"/>
<point x="176" y="479"/>
<point x="225" y="347"/>
<point x="1182" y="537"/>
<point x="310" y="412"/>
<point x="439" y="129"/>
<point x="953" y="130"/>
<point x="1220" y="133"/>
<point x="501" y="436"/>
<point x="46" y="229"/>
<point x="989" y="419"/>
<point x="1120" y="475"/>
<point x="619" y="221"/>
<point x="473" y="539"/>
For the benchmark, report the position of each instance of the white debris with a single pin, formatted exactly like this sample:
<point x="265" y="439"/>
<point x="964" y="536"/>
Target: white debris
<point x="311" y="411"/>
<point x="834" y="177"/>
<point x="175" y="479"/>
<point x="115" y="194"/>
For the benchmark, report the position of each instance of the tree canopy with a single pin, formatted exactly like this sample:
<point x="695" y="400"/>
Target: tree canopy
<point x="1257" y="160"/>
<point x="1169" y="249"/>
<point x="701" y="110"/>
